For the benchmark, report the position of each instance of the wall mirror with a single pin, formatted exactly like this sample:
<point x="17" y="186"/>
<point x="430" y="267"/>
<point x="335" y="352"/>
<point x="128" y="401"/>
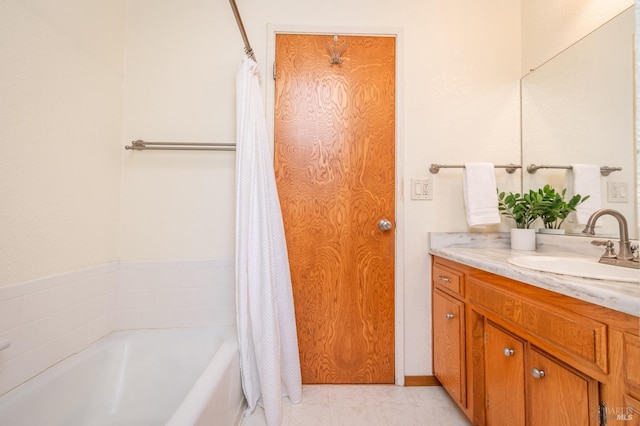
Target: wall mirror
<point x="578" y="108"/>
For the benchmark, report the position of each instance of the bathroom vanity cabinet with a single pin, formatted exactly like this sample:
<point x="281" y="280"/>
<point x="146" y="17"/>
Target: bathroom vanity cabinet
<point x="511" y="353"/>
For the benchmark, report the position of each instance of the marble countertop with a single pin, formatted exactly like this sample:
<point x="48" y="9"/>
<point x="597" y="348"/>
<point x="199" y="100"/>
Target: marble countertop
<point x="490" y="251"/>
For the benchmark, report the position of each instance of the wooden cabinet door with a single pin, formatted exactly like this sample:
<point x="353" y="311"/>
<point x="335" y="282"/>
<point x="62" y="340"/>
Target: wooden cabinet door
<point x="504" y="378"/>
<point x="449" y="345"/>
<point x="557" y="394"/>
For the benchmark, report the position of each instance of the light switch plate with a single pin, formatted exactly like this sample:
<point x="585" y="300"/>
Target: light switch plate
<point x="421" y="189"/>
<point x="617" y="192"/>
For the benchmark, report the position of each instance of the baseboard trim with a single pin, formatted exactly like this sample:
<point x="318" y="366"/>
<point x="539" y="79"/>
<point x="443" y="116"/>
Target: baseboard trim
<point x="421" y="381"/>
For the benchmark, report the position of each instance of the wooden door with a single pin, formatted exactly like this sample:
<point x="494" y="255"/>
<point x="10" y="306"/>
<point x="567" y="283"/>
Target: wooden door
<point x="558" y="394"/>
<point x="334" y="163"/>
<point x="504" y="378"/>
<point x="449" y="346"/>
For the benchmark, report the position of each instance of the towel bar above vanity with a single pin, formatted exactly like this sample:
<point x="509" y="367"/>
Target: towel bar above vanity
<point x="604" y="170"/>
<point x="435" y="168"/>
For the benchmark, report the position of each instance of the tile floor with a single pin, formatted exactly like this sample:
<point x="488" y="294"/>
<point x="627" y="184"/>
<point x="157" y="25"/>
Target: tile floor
<point x="356" y="405"/>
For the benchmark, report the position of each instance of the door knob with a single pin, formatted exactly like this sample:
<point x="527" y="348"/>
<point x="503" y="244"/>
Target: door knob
<point x="538" y="374"/>
<point x="385" y="225"/>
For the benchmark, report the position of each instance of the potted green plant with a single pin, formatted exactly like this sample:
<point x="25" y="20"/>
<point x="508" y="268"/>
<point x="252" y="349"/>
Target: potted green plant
<point x="524" y="209"/>
<point x="556" y="208"/>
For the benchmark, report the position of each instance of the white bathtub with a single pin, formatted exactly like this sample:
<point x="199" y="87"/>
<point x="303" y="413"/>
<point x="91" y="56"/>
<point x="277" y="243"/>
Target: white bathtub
<point x="177" y="377"/>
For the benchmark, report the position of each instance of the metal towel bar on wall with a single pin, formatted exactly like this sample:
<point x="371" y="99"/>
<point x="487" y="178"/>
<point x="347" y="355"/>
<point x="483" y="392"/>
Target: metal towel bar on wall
<point x="435" y="168"/>
<point x="141" y="145"/>
<point x="604" y="170"/>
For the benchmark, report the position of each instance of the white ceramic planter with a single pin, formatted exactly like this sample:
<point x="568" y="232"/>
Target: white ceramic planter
<point x="523" y="239"/>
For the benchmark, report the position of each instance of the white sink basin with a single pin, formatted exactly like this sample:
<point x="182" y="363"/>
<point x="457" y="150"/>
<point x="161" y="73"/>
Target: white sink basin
<point x="577" y="267"/>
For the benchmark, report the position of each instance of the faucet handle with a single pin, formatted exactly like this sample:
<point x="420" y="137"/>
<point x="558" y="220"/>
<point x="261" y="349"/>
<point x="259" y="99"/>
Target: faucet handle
<point x="634" y="252"/>
<point x="609" y="251"/>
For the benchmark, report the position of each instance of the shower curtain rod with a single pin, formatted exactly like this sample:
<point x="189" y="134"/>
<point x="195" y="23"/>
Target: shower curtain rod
<point x="247" y="47"/>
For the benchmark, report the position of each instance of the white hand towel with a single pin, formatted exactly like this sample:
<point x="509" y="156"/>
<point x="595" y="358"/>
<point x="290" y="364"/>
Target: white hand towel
<point x="586" y="181"/>
<point x="480" y="194"/>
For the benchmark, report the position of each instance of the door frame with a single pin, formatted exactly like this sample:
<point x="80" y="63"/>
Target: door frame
<point x="397" y="33"/>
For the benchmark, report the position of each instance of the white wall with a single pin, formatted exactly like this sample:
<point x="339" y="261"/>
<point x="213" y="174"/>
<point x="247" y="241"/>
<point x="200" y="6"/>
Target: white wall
<point x="550" y="26"/>
<point x="459" y="70"/>
<point x="60" y="126"/>
<point x="181" y="59"/>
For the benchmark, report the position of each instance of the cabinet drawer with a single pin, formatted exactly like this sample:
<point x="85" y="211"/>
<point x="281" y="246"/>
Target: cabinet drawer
<point x="573" y="334"/>
<point x="632" y="363"/>
<point x="448" y="279"/>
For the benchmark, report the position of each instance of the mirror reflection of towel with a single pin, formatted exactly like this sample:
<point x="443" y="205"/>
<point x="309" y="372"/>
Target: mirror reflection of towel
<point x="586" y="181"/>
<point x="480" y="194"/>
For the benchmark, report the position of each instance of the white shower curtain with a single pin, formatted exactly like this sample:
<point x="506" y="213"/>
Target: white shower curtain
<point x="269" y="359"/>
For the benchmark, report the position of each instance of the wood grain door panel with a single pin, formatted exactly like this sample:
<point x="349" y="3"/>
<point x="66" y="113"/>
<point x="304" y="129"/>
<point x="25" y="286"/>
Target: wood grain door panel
<point x="449" y="359"/>
<point x="334" y="163"/>
<point x="504" y="378"/>
<point x="562" y="396"/>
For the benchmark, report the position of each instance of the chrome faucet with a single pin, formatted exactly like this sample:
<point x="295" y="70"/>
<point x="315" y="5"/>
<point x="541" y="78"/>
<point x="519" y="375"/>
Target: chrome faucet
<point x="625" y="256"/>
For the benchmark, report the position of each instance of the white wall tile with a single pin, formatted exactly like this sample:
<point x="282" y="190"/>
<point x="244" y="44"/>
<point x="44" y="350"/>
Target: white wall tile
<point x="224" y="316"/>
<point x="96" y="329"/>
<point x="62" y="297"/>
<point x="127" y="319"/>
<point x="111" y="322"/>
<point x="198" y="298"/>
<point x="35" y="333"/>
<point x="36" y="305"/>
<point x="127" y="279"/>
<point x="158" y="318"/>
<point x="146" y="278"/>
<point x="196" y="317"/>
<point x="61" y="322"/>
<point x="127" y="299"/>
<point x="110" y="302"/>
<point x="95" y="307"/>
<point x="81" y="290"/>
<point x="147" y="299"/>
<point x="224" y="295"/>
<point x="17" y="345"/>
<point x="226" y="275"/>
<point x="170" y="298"/>
<point x="10" y="313"/>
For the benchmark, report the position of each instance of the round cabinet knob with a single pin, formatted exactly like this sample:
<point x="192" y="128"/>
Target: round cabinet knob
<point x="508" y="352"/>
<point x="538" y="374"/>
<point x="385" y="225"/>
<point x="450" y="316"/>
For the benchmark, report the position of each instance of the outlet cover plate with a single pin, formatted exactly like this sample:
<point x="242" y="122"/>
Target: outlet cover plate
<point x="617" y="192"/>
